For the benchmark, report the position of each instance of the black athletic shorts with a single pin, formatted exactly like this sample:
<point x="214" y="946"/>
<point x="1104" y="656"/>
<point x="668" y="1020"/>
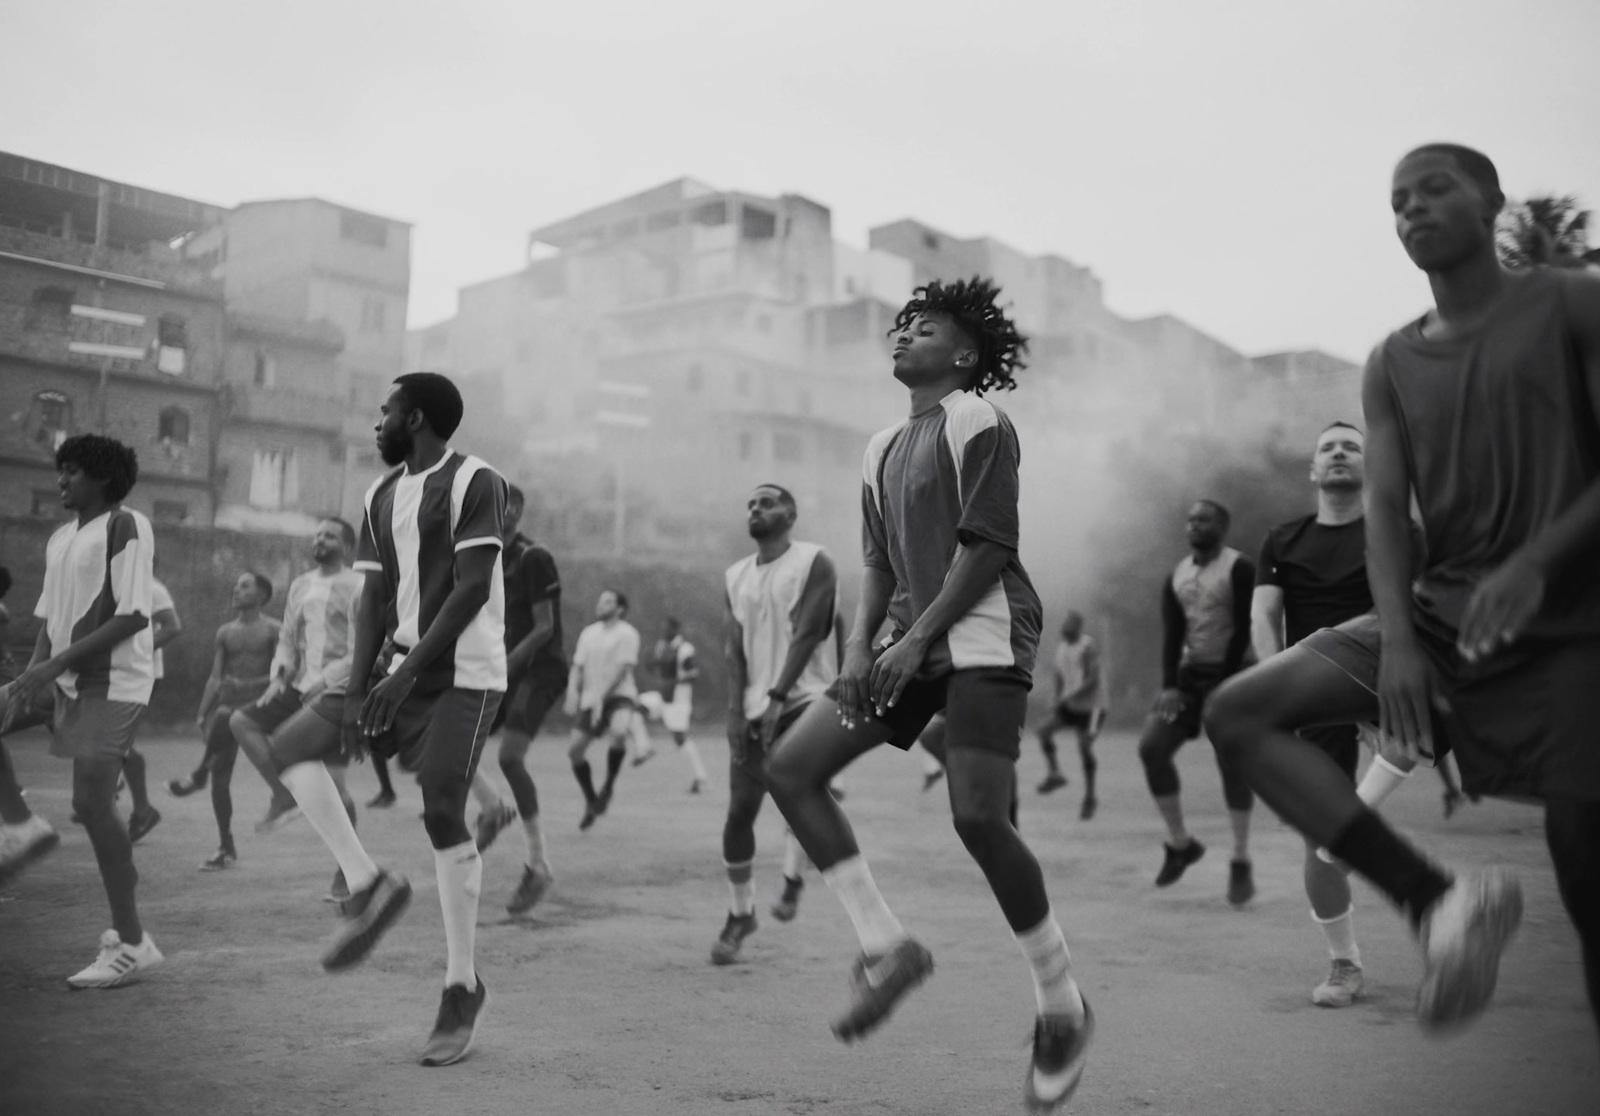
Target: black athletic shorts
<point x="1520" y="724"/>
<point x="1089" y="720"/>
<point x="529" y="699"/>
<point x="1341" y="743"/>
<point x="751" y="754"/>
<point x="984" y="708"/>
<point x="593" y="725"/>
<point x="440" y="733"/>
<point x="1196" y="681"/>
<point x="268" y="713"/>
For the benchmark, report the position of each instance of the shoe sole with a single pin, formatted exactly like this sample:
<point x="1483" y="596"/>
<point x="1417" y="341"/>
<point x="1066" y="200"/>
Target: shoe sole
<point x="116" y="982"/>
<point x="353" y="950"/>
<point x="1162" y="880"/>
<point x="33" y="852"/>
<point x="144" y="830"/>
<point x="1035" y="1103"/>
<point x="472" y="1037"/>
<point x="852" y="1027"/>
<point x="729" y="958"/>
<point x="515" y="908"/>
<point x="1455" y="991"/>
<point x="1336" y="1002"/>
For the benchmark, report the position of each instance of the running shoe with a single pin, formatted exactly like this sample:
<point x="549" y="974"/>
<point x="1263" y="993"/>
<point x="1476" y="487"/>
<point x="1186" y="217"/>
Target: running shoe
<point x="1177" y="862"/>
<point x="1060" y="1051"/>
<point x="492" y="821"/>
<point x="725" y="950"/>
<point x="1343" y="986"/>
<point x="457" y="1024"/>
<point x="694" y="786"/>
<point x="878" y="984"/>
<point x="382" y="800"/>
<point x="23" y="843"/>
<point x="788" y="904"/>
<point x="225" y="858"/>
<point x="535" y="882"/>
<point x="117" y="962"/>
<point x="1052" y="782"/>
<point x="279" y="814"/>
<point x="1464" y="934"/>
<point x="1090" y="805"/>
<point x="591" y="811"/>
<point x="367" y="914"/>
<point x="141" y="822"/>
<point x="187" y="785"/>
<point x="1241" y="883"/>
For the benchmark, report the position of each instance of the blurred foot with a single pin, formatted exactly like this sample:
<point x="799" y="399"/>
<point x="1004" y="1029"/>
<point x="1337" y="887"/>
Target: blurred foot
<point x="225" y="858"/>
<point x="1052" y="782"/>
<point x="141" y="822"/>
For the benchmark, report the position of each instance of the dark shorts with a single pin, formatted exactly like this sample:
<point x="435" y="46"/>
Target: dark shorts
<point x="591" y="725"/>
<point x="1089" y="720"/>
<point x="315" y="731"/>
<point x="529" y="699"/>
<point x="1341" y="743"/>
<point x="440" y="735"/>
<point x="750" y="756"/>
<point x="93" y="727"/>
<point x="1195" y="685"/>
<point x="983" y="708"/>
<point x="1521" y="724"/>
<point x="271" y="712"/>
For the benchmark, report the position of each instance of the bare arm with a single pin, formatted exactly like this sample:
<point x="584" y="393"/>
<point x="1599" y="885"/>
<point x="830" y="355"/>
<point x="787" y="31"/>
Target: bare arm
<point x="973" y="572"/>
<point x="166" y="627"/>
<point x="814" y="622"/>
<point x="1388" y="511"/>
<point x="1173" y="626"/>
<point x="855" y="674"/>
<point x="208" y="696"/>
<point x="544" y="626"/>
<point x="733" y="656"/>
<point x="1266" y="621"/>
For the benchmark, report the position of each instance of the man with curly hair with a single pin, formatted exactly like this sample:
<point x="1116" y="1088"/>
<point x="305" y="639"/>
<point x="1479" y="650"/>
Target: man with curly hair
<point x="95" y="654"/>
<point x="939" y="504"/>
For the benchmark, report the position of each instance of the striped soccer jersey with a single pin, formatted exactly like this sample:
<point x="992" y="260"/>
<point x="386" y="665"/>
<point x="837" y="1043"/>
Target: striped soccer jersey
<point x="92" y="572"/>
<point x="317" y="637"/>
<point x="413" y="527"/>
<point x="932" y="484"/>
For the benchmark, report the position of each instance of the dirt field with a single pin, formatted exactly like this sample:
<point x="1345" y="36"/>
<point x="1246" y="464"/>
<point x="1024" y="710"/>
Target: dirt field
<point x="605" y="1001"/>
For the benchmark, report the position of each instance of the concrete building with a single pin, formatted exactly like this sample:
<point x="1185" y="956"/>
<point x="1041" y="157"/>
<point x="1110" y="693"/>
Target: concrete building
<point x="105" y="328"/>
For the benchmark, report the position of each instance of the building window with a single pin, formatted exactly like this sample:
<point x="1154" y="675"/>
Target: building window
<point x="741" y="382"/>
<point x="711" y="213"/>
<point x="174" y="426"/>
<point x="372" y="315"/>
<point x="930" y="241"/>
<point x="757" y="224"/>
<point x="172" y="341"/>
<point x="171" y="511"/>
<point x="695" y="378"/>
<point x="51" y="306"/>
<point x="55" y="418"/>
<point x="371" y="231"/>
<point x="46" y="503"/>
<point x="747" y="445"/>
<point x="786" y="446"/>
<point x="266" y="370"/>
<point x="274" y="479"/>
<point x="655" y="222"/>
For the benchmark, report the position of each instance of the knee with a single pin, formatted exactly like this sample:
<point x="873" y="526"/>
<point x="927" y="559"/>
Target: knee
<point x="1154" y="751"/>
<point x="783" y="777"/>
<point x="981" y="830"/>
<point x="444" y="814"/>
<point x="234" y="723"/>
<point x="93" y="798"/>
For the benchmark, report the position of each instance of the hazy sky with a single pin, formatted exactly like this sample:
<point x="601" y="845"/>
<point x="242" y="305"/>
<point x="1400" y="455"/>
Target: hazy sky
<point x="1226" y="161"/>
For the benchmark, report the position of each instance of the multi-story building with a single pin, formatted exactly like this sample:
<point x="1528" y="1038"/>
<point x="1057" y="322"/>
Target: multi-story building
<point x="105" y="328"/>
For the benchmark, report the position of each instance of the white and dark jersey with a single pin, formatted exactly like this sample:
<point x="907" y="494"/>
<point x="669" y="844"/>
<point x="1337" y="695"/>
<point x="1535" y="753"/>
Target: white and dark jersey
<point x="317" y="639"/>
<point x="677" y="666"/>
<point x="412" y="528"/>
<point x="160" y="601"/>
<point x="93" y="572"/>
<point x="765" y="601"/>
<point x="602" y="650"/>
<point x="932" y="484"/>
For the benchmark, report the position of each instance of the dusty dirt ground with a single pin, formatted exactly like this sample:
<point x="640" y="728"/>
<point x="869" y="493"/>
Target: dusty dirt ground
<point x="604" y="1001"/>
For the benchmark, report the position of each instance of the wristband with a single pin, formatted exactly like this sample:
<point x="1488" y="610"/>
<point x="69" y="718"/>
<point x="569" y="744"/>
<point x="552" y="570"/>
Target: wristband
<point x="777" y="695"/>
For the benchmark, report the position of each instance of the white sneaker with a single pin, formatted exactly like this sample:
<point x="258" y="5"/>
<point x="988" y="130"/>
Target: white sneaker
<point x="23" y="843"/>
<point x="1463" y="935"/>
<point x="1343" y="987"/>
<point x="117" y="962"/>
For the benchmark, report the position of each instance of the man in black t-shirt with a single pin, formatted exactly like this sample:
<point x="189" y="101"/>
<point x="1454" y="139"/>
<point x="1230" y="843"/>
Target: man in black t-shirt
<point x="536" y="678"/>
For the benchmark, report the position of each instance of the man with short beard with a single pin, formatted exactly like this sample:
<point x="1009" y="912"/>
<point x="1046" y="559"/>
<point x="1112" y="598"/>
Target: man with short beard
<point x="781" y="603"/>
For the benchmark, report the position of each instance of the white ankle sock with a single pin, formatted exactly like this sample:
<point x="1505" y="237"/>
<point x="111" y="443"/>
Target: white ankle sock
<point x="875" y="924"/>
<point x="1380" y="781"/>
<point x="1045" y="947"/>
<point x="459" y="871"/>
<point x="1341" y="932"/>
<point x="794" y="857"/>
<point x="692" y="754"/>
<point x="535" y="835"/>
<point x="318" y="798"/>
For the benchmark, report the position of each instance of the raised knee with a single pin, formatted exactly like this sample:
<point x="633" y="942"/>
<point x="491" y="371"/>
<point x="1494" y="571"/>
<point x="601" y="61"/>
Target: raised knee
<point x="1153" y="750"/>
<point x="1232" y="716"/>
<point x="978" y="828"/>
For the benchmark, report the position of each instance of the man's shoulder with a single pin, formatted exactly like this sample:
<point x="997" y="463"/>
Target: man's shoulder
<point x="385" y="481"/>
<point x="1290" y="529"/>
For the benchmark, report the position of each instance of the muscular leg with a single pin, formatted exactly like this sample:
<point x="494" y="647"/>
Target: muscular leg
<point x="1047" y="743"/>
<point x="94" y="791"/>
<point x="1572" y="831"/>
<point x="385" y="795"/>
<point x="981" y="791"/>
<point x="1090" y="764"/>
<point x="1159" y="743"/>
<point x="513" y="765"/>
<point x="802" y="764"/>
<point x="577" y="750"/>
<point x="1252" y="718"/>
<point x="252" y="739"/>
<point x="223" y="756"/>
<point x="13" y="807"/>
<point x="133" y="770"/>
<point x="746" y="792"/>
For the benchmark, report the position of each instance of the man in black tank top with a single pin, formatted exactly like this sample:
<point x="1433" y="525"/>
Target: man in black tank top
<point x="1486" y="410"/>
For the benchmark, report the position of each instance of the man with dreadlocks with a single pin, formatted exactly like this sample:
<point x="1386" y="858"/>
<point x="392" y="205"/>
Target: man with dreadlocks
<point x="939" y="503"/>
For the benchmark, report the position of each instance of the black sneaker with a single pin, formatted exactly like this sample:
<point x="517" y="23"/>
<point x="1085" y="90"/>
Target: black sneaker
<point x="1090" y="805"/>
<point x="184" y="787"/>
<point x="591" y="811"/>
<point x="456" y="1026"/>
<point x="141" y="822"/>
<point x="1177" y="862"/>
<point x="725" y="951"/>
<point x="1060" y="1050"/>
<point x="367" y="914"/>
<point x="224" y="859"/>
<point x="1241" y="883"/>
<point x="535" y="882"/>
<point x="1052" y="782"/>
<point x="878" y="984"/>
<point x="603" y="802"/>
<point x="788" y="904"/>
<point x="382" y="800"/>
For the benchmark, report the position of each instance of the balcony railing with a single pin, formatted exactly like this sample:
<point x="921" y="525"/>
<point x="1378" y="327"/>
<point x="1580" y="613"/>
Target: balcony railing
<point x="285" y="408"/>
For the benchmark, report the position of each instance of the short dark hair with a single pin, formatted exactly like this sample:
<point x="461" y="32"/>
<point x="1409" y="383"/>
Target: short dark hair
<point x="970" y="305"/>
<point x="436" y="397"/>
<point x="5" y="581"/>
<point x="263" y="583"/>
<point x="622" y="598"/>
<point x="1337" y="423"/>
<point x="1473" y="163"/>
<point x="346" y="532"/>
<point x="514" y="495"/>
<point x="104" y="459"/>
<point x="785" y="497"/>
<point x="1220" y="508"/>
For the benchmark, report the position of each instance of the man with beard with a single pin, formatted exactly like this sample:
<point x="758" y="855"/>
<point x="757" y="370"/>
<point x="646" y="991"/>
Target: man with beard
<point x="1486" y="412"/>
<point x="1205" y="623"/>
<point x="781" y="657"/>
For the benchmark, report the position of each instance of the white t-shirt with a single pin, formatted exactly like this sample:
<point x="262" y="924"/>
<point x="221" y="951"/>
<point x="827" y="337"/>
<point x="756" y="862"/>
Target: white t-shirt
<point x="93" y="572"/>
<point x="603" y="648"/>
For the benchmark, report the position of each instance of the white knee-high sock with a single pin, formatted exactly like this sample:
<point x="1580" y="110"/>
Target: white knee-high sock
<point x="875" y="923"/>
<point x="1380" y="781"/>
<point x="535" y="835"/>
<point x="1341" y="934"/>
<point x="1045" y="947"/>
<point x="741" y="896"/>
<point x="459" y="871"/>
<point x="318" y="797"/>
<point x="794" y="857"/>
<point x="692" y="754"/>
